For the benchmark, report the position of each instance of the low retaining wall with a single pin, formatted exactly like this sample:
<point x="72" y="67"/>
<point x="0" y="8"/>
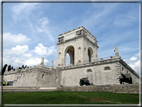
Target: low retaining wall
<point x="126" y="88"/>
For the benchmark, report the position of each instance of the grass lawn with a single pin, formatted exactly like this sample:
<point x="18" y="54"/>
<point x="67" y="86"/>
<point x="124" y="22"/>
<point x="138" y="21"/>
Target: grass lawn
<point x="59" y="97"/>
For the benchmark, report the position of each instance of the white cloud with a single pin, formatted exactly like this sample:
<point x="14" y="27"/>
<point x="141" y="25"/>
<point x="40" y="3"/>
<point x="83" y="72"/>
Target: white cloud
<point x="41" y="50"/>
<point x="43" y="22"/>
<point x="134" y="62"/>
<point x="18" y="50"/>
<point x="27" y="55"/>
<point x="34" y="61"/>
<point x="43" y="27"/>
<point x="10" y="39"/>
<point x="138" y="54"/>
<point x="23" y="9"/>
<point x="51" y="50"/>
<point x="21" y="55"/>
<point x="136" y="66"/>
<point x="133" y="58"/>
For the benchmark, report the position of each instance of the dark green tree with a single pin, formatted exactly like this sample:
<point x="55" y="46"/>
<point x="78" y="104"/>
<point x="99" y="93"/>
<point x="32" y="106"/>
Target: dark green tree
<point x="19" y="68"/>
<point x="9" y="67"/>
<point x="3" y="69"/>
<point x="23" y="66"/>
<point x="12" y="67"/>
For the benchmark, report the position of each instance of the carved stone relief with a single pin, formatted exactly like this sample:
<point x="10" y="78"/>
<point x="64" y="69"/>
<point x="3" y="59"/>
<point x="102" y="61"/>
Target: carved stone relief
<point x="81" y="32"/>
<point x="61" y="39"/>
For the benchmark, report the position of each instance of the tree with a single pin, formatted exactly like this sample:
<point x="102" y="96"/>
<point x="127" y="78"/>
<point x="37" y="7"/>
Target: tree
<point x="19" y="68"/>
<point x="9" y="67"/>
<point x="23" y="66"/>
<point x="12" y="67"/>
<point x="3" y="69"/>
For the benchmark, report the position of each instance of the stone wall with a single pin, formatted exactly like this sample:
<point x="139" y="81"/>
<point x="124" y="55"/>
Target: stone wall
<point x="97" y="76"/>
<point x="48" y="78"/>
<point x="126" y="88"/>
<point x="37" y="76"/>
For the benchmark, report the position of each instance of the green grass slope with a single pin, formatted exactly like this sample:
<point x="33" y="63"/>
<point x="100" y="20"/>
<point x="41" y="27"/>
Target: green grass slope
<point x="59" y="97"/>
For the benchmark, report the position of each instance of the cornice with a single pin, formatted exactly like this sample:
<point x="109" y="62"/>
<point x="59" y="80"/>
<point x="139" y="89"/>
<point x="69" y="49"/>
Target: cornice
<point x="96" y="63"/>
<point x="77" y="38"/>
<point x="81" y="27"/>
<point x="128" y="67"/>
<point x="107" y="61"/>
<point x="71" y="30"/>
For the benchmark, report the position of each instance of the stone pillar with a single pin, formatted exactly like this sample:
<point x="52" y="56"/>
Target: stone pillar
<point x="52" y="64"/>
<point x="42" y="61"/>
<point x="116" y="52"/>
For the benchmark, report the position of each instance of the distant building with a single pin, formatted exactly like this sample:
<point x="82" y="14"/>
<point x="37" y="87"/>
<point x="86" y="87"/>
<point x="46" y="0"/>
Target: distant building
<point x="82" y="48"/>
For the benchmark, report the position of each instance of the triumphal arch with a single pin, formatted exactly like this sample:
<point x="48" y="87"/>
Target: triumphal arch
<point x="81" y="46"/>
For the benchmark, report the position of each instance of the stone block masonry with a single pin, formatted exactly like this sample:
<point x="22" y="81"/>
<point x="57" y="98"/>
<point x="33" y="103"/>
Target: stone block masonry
<point x="126" y="88"/>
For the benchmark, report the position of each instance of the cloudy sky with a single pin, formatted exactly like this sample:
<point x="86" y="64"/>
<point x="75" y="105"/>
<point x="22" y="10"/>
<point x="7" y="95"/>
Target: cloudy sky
<point x="30" y="30"/>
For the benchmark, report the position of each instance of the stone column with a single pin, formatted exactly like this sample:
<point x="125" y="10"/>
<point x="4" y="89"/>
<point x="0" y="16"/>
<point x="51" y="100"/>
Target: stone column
<point x="116" y="52"/>
<point x="52" y="64"/>
<point x="42" y="61"/>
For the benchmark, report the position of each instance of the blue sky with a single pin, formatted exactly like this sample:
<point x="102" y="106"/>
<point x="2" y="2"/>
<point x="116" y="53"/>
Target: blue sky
<point x="30" y="30"/>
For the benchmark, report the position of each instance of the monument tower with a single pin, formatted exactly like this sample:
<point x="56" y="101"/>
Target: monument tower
<point x="81" y="46"/>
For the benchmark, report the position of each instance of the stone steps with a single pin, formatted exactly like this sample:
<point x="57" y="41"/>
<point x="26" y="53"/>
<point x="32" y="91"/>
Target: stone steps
<point x="45" y="88"/>
<point x="18" y="88"/>
<point x="28" y="89"/>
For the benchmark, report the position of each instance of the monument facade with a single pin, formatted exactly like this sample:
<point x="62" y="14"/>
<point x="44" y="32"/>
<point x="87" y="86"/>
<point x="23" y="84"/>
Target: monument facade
<point x="82" y="48"/>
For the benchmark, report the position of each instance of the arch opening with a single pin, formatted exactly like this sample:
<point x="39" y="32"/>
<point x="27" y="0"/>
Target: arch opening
<point x="90" y="53"/>
<point x="69" y="54"/>
<point x="68" y="59"/>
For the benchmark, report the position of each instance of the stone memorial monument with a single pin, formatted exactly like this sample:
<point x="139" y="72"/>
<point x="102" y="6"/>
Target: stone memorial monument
<point x="82" y="48"/>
